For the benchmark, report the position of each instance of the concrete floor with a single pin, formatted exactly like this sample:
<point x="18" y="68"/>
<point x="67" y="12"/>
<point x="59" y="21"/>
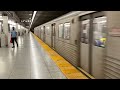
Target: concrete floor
<point x="28" y="61"/>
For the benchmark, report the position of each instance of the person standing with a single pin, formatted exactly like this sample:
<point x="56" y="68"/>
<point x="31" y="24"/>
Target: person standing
<point x="14" y="37"/>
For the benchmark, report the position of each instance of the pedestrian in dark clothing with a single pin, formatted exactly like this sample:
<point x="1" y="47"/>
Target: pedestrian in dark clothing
<point x="14" y="37"/>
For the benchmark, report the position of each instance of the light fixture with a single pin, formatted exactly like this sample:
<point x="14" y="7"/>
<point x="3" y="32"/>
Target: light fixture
<point x="34" y="13"/>
<point x="11" y="22"/>
<point x="30" y="14"/>
<point x="1" y="18"/>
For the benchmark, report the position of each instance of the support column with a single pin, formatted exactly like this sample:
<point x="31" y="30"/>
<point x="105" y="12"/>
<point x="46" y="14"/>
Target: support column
<point x="5" y="28"/>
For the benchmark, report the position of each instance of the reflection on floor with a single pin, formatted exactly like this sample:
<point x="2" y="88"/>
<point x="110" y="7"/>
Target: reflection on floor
<point x="28" y="61"/>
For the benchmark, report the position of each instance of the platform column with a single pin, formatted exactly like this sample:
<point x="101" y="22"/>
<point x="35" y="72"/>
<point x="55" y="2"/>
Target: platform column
<point x="5" y="28"/>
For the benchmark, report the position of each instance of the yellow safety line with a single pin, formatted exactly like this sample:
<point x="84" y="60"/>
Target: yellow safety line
<point x="67" y="69"/>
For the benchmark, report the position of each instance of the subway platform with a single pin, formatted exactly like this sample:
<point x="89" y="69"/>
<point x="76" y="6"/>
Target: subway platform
<point x="33" y="59"/>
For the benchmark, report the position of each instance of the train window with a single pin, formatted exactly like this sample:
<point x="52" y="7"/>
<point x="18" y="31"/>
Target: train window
<point x="67" y="31"/>
<point x="48" y="30"/>
<point x="41" y="29"/>
<point x="61" y="30"/>
<point x="99" y="26"/>
<point x="85" y="31"/>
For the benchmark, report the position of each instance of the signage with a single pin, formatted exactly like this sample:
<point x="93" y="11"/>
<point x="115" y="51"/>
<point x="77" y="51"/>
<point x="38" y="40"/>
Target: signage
<point x="115" y="32"/>
<point x="25" y="20"/>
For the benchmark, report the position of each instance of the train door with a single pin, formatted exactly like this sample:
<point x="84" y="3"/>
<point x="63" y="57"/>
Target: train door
<point x="98" y="44"/>
<point x="44" y="33"/>
<point x="92" y="45"/>
<point x="85" y="43"/>
<point x="53" y="36"/>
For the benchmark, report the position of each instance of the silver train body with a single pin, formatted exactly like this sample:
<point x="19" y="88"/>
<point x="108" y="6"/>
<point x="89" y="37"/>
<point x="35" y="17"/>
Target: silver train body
<point x="87" y="39"/>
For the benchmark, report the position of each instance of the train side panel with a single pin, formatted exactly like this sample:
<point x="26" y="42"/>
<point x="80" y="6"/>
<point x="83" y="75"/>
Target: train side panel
<point x="69" y="49"/>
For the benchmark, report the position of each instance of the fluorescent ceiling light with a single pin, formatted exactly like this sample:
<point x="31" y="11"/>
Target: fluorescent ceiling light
<point x="1" y="18"/>
<point x="34" y="13"/>
<point x="30" y="14"/>
<point x="11" y="22"/>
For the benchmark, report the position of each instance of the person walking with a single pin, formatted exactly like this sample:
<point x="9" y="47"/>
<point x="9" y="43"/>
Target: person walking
<point x="14" y="37"/>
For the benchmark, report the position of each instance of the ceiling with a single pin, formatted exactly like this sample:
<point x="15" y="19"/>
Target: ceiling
<point x="40" y="18"/>
<point x="24" y="16"/>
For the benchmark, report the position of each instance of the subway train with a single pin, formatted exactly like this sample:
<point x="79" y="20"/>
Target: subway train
<point x="89" y="40"/>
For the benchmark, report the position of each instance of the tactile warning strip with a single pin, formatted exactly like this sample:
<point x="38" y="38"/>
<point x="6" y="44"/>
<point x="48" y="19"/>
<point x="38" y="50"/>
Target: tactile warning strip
<point x="68" y="70"/>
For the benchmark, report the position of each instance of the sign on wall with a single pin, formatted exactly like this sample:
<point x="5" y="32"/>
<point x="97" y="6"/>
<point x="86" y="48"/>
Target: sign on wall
<point x="115" y="32"/>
